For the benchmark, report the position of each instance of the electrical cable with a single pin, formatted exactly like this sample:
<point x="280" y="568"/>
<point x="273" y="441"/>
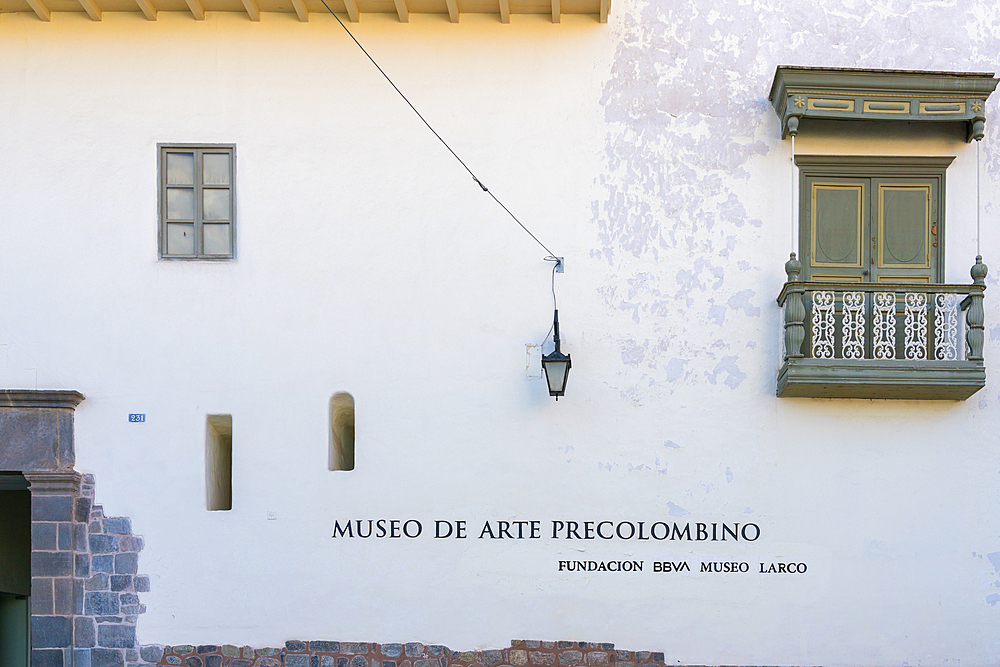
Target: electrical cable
<point x="551" y="257"/>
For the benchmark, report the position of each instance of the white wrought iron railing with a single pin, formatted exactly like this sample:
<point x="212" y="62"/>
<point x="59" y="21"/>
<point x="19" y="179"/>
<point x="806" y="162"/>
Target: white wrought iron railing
<point x="882" y="321"/>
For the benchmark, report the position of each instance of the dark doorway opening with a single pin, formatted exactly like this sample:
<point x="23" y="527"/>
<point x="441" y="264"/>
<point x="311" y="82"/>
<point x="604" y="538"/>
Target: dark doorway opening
<point x="15" y="569"/>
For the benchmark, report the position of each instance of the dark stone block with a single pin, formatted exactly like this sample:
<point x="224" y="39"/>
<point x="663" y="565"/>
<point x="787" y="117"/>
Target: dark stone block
<point x="295" y="645"/>
<point x="426" y="662"/>
<point x="116" y="636"/>
<point x="241" y="663"/>
<point x="436" y="650"/>
<point x="130" y="543"/>
<point x="65" y="531"/>
<point x="314" y="661"/>
<point x="66" y="454"/>
<point x="86" y="632"/>
<point x="51" y="563"/>
<point x="126" y="563"/>
<point x="81" y="566"/>
<point x="104" y="564"/>
<point x="657" y="657"/>
<point x="492" y="658"/>
<point x="98" y="582"/>
<point x="388" y="663"/>
<point x="43" y="536"/>
<point x="106" y="657"/>
<point x="173" y="660"/>
<point x="570" y="657"/>
<point x="96" y="604"/>
<point x="62" y="596"/>
<point x="81" y="512"/>
<point x="352" y="648"/>
<point x="392" y="650"/>
<point x="132" y="598"/>
<point x="297" y="660"/>
<point x="51" y="508"/>
<point x="359" y="661"/>
<point x="151" y="653"/>
<point x="623" y="655"/>
<point x="414" y="649"/>
<point x="642" y="656"/>
<point x="95" y="527"/>
<point x="608" y="647"/>
<point x="204" y="648"/>
<point x="108" y="619"/>
<point x="194" y="661"/>
<point x="52" y="657"/>
<point x="121" y="582"/>
<point x="564" y="644"/>
<point x="131" y="655"/>
<point x="51" y="632"/>
<point x="29" y="439"/>
<point x="341" y="662"/>
<point x="213" y="660"/>
<point x="41" y="596"/>
<point x="327" y="647"/>
<point x="80" y="537"/>
<point x="141" y="584"/>
<point x="81" y="657"/>
<point x="103" y="544"/>
<point x="118" y="525"/>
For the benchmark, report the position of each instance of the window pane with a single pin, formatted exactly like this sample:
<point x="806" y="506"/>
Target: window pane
<point x="180" y="239"/>
<point x="905" y="225"/>
<point x="837" y="225"/>
<point x="180" y="204"/>
<point x="215" y="169"/>
<point x="216" y="239"/>
<point x="215" y="204"/>
<point x="180" y="169"/>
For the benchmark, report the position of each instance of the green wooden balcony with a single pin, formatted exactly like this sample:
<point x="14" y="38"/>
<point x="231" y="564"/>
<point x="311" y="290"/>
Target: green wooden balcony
<point x="882" y="340"/>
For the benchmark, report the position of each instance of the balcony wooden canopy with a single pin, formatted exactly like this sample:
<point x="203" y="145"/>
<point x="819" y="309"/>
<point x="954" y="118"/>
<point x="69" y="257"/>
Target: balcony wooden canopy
<point x="351" y="9"/>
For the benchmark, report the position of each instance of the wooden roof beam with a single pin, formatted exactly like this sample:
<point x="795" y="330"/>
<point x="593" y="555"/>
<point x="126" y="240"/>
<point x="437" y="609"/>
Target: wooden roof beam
<point x="301" y="10"/>
<point x="41" y="10"/>
<point x="197" y="10"/>
<point x="504" y="11"/>
<point x="404" y="13"/>
<point x="556" y="11"/>
<point x="352" y="10"/>
<point x="147" y="8"/>
<point x="605" y="8"/>
<point x="452" y="10"/>
<point x="92" y="9"/>
<point x="252" y="11"/>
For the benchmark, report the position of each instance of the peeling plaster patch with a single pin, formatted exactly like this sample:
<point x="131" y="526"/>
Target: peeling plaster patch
<point x="728" y="365"/>
<point x="729" y="474"/>
<point x="748" y="511"/>
<point x="671" y="444"/>
<point x="632" y="353"/>
<point x="995" y="560"/>
<point x="995" y="332"/>
<point x="741" y="301"/>
<point x="675" y="368"/>
<point x="676" y="510"/>
<point x="752" y="344"/>
<point x="992" y="599"/>
<point x="717" y="314"/>
<point x="743" y="265"/>
<point x="983" y="404"/>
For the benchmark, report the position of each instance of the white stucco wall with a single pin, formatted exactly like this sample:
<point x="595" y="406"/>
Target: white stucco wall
<point x="643" y="151"/>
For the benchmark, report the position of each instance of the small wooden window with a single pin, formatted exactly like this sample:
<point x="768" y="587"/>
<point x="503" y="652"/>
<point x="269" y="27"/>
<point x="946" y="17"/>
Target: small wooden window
<point x="341" y="432"/>
<point x="197" y="205"/>
<point x="219" y="462"/>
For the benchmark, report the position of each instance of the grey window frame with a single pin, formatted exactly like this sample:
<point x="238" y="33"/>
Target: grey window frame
<point x="163" y="149"/>
<point x="924" y="168"/>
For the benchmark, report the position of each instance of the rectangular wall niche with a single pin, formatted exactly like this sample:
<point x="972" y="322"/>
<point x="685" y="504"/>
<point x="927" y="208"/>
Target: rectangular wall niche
<point x="342" y="431"/>
<point x="219" y="462"/>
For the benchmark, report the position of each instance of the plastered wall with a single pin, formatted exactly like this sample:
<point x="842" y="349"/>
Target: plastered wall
<point x="643" y="151"/>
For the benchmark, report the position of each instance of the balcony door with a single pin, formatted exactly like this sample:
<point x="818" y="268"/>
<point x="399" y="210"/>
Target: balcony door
<point x="871" y="229"/>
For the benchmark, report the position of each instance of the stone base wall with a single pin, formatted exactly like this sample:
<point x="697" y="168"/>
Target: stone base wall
<point x="358" y="654"/>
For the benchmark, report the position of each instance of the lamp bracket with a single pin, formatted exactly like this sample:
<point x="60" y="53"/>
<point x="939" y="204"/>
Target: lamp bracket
<point x="560" y="265"/>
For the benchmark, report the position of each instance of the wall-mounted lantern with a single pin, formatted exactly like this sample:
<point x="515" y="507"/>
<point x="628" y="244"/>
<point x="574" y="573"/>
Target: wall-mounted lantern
<point x="556" y="364"/>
